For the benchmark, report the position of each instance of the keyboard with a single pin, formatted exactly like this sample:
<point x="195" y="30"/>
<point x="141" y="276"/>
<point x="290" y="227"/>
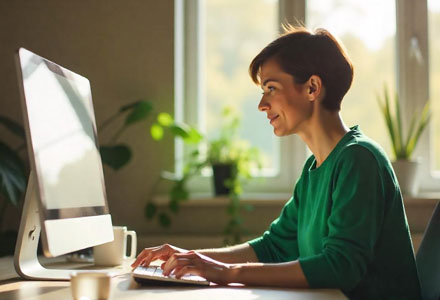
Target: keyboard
<point x="154" y="275"/>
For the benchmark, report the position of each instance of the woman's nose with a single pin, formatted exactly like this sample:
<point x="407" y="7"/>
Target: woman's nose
<point x="263" y="105"/>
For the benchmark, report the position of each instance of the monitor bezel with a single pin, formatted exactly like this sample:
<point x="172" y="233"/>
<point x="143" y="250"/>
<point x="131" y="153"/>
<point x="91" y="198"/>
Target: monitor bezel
<point x="59" y="215"/>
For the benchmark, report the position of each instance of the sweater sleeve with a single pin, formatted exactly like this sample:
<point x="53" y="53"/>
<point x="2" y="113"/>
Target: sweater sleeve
<point x="279" y="243"/>
<point x="354" y="223"/>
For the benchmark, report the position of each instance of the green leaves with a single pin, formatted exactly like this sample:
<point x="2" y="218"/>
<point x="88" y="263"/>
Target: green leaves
<point x="194" y="136"/>
<point x="164" y="121"/>
<point x="115" y="156"/>
<point x="164" y="220"/>
<point x="140" y="111"/>
<point x="416" y="131"/>
<point x="402" y="147"/>
<point x="178" y="193"/>
<point x="150" y="210"/>
<point x="12" y="174"/>
<point x="156" y="132"/>
<point x="228" y="148"/>
<point x="118" y="155"/>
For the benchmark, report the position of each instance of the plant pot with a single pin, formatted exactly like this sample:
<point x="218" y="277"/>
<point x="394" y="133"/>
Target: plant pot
<point x="407" y="175"/>
<point x="222" y="173"/>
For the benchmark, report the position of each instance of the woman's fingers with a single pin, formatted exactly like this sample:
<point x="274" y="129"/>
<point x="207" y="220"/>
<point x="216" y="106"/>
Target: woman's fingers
<point x="194" y="263"/>
<point x="150" y="254"/>
<point x="187" y="270"/>
<point x="178" y="260"/>
<point x="141" y="257"/>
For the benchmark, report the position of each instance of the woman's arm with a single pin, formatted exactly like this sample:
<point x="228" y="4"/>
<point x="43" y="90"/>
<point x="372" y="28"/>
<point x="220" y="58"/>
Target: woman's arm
<point x="235" y="254"/>
<point x="287" y="274"/>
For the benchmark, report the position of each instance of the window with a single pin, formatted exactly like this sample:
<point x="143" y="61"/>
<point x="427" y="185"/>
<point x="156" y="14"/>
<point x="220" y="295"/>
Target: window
<point x="414" y="64"/>
<point x="387" y="41"/>
<point x="226" y="35"/>
<point x="367" y="32"/>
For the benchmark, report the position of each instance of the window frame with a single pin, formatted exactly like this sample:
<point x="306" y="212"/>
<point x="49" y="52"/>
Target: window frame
<point x="413" y="81"/>
<point x="412" y="85"/>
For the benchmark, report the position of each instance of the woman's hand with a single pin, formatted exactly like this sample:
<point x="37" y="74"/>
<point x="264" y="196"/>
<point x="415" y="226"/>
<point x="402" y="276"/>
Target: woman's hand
<point x="163" y="252"/>
<point x="180" y="262"/>
<point x="194" y="263"/>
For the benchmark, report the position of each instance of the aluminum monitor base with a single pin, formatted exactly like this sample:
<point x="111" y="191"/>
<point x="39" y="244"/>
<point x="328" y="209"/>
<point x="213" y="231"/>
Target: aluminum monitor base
<point x="26" y="261"/>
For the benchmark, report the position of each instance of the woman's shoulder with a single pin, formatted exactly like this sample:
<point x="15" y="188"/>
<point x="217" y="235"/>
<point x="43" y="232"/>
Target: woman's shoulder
<point x="361" y="148"/>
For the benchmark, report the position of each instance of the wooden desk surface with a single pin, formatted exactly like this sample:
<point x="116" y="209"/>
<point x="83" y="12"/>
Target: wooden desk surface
<point x="124" y="287"/>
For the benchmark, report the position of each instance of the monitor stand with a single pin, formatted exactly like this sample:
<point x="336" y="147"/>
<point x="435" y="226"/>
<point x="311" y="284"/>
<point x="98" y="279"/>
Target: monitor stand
<point x="26" y="261"/>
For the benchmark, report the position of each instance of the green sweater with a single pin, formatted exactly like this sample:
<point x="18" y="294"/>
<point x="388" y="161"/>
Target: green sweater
<point x="346" y="225"/>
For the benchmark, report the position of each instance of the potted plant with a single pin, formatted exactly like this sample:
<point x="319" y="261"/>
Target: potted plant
<point x="403" y="143"/>
<point x="230" y="158"/>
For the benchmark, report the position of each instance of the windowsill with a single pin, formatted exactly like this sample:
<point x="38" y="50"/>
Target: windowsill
<point x="423" y="198"/>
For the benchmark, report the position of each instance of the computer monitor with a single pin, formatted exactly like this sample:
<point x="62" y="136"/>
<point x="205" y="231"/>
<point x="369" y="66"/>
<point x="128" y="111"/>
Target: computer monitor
<point x="65" y="197"/>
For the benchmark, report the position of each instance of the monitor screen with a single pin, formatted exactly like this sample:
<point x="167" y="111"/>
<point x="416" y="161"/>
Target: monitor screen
<point x="64" y="154"/>
<point x="63" y="137"/>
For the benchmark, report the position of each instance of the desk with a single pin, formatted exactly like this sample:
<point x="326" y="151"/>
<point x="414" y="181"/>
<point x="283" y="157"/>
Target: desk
<point x="124" y="287"/>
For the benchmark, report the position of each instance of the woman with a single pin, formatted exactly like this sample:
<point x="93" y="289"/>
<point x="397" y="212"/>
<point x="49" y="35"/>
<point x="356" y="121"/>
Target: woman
<point x="345" y="225"/>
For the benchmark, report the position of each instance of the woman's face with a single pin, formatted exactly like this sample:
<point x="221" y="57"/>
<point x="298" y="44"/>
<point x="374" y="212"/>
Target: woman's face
<point x="286" y="103"/>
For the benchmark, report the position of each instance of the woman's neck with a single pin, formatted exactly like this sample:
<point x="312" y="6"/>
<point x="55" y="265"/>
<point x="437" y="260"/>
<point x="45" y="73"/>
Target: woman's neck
<point x="322" y="133"/>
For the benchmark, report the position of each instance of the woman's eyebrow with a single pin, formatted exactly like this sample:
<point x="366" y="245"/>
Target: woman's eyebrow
<point x="269" y="79"/>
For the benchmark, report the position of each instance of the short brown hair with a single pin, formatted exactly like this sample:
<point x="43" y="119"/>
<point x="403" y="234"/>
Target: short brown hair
<point x="302" y="54"/>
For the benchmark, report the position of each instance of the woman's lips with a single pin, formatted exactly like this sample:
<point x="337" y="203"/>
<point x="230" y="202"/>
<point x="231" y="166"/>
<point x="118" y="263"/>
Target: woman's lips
<point x="272" y="118"/>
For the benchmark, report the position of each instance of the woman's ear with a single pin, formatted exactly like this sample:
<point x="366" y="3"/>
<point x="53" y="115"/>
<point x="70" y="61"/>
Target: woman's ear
<point x="314" y="87"/>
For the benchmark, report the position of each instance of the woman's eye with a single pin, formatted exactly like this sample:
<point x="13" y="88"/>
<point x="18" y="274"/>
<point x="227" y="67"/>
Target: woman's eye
<point x="268" y="90"/>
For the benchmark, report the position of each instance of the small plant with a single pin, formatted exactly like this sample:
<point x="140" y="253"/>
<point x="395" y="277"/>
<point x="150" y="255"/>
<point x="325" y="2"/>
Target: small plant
<point x="403" y="144"/>
<point x="178" y="192"/>
<point x="227" y="149"/>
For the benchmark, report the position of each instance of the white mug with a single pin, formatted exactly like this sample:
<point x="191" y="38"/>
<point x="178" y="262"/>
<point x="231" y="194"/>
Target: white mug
<point x="114" y="253"/>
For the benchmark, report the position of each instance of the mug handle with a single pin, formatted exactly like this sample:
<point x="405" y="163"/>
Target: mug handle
<point x="133" y="243"/>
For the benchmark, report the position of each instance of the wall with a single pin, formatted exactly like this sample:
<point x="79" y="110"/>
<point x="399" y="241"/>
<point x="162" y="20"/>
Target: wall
<point x="125" y="48"/>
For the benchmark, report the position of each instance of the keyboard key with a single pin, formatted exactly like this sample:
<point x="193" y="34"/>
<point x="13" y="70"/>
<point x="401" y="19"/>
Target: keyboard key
<point x="155" y="272"/>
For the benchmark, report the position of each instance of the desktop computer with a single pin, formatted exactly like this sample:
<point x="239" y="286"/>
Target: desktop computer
<point x="65" y="199"/>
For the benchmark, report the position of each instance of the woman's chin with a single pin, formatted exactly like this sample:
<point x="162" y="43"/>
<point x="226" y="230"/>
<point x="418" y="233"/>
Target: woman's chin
<point x="278" y="132"/>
